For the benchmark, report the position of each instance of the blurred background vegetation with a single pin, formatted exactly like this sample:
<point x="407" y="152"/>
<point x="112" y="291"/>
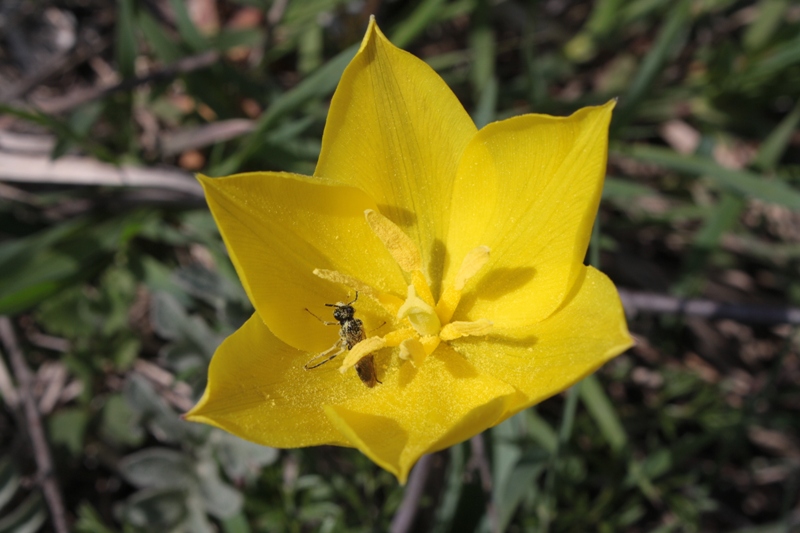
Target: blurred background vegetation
<point x="115" y="286"/>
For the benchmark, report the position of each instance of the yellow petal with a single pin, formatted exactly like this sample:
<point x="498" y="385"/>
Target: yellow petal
<point x="257" y="389"/>
<point x="418" y="411"/>
<point x="396" y="131"/>
<point x="279" y="228"/>
<point x="566" y="347"/>
<point x="528" y="188"/>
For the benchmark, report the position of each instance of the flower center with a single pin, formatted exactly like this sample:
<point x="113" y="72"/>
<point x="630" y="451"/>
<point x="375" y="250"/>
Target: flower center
<point x="423" y="323"/>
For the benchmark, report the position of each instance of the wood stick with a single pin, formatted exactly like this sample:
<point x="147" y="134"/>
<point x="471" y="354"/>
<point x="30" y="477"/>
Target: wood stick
<point x="41" y="451"/>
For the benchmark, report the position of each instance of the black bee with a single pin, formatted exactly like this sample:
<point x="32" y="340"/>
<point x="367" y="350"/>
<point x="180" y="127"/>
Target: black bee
<point x="351" y="332"/>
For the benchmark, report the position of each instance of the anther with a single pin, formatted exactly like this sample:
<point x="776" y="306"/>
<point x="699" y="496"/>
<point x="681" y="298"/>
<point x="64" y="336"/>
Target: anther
<point x="399" y="245"/>
<point x="455" y="330"/>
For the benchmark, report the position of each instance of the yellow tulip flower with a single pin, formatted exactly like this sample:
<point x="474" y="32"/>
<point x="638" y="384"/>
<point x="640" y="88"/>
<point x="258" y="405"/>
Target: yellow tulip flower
<point x="464" y="249"/>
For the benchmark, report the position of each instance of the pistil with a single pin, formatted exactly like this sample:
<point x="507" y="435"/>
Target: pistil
<point x="429" y="321"/>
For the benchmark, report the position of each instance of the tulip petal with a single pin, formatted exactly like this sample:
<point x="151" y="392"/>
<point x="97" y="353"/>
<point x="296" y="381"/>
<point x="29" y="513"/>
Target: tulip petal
<point x="528" y="188"/>
<point x="279" y="228"/>
<point x="396" y="131"/>
<point x="257" y="389"/>
<point x="421" y="411"/>
<point x="550" y="356"/>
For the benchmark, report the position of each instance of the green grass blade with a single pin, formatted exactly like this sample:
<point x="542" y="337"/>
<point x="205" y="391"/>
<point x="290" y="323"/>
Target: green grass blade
<point x="770" y="17"/>
<point x="189" y="32"/>
<point x="602" y="410"/>
<point x="739" y="181"/>
<point x="482" y="47"/>
<point x="487" y="104"/>
<point x="415" y="23"/>
<point x="773" y="147"/>
<point x="666" y="44"/>
<point x="318" y="85"/>
<point x="164" y="48"/>
<point x="126" y="50"/>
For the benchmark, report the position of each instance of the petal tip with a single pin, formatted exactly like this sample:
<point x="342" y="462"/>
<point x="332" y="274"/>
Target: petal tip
<point x="372" y="35"/>
<point x="372" y="30"/>
<point x="203" y="179"/>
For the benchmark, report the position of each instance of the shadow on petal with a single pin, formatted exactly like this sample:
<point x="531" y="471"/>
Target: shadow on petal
<point x="447" y="401"/>
<point x="380" y="438"/>
<point x="501" y="281"/>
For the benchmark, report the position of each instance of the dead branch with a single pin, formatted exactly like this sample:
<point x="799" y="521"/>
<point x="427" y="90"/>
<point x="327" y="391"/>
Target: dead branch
<point x="78" y="98"/>
<point x="647" y="302"/>
<point x="74" y="170"/>
<point x="403" y="520"/>
<point x="41" y="451"/>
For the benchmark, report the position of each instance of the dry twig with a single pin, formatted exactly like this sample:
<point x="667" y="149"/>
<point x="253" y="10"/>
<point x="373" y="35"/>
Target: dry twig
<point x="73" y="170"/>
<point x="648" y="302"/>
<point x="41" y="452"/>
<point x="77" y="98"/>
<point x="404" y="518"/>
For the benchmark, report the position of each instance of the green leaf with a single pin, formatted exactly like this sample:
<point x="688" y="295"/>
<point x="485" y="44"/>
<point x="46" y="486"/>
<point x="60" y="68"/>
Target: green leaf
<point x="541" y="431"/>
<point x="126" y="39"/>
<point x="161" y="420"/>
<point x="318" y="85"/>
<point x="67" y="427"/>
<point x="773" y="147"/>
<point x="774" y="63"/>
<point x="189" y="32"/>
<point x="485" y="111"/>
<point x="310" y="49"/>
<point x="416" y="22"/>
<point x="483" y="48"/>
<point x="158" y="468"/>
<point x="618" y="189"/>
<point x="219" y="498"/>
<point x="236" y="524"/>
<point x="446" y="512"/>
<point x="28" y="516"/>
<point x="159" y="509"/>
<point x="668" y="42"/>
<point x="604" y="17"/>
<point x="118" y="422"/>
<point x="154" y="33"/>
<point x="171" y="321"/>
<point x="770" y="17"/>
<point x="9" y="481"/>
<point x="515" y="467"/>
<point x="740" y="181"/>
<point x="241" y="459"/>
<point x="90" y="521"/>
<point x="602" y="410"/>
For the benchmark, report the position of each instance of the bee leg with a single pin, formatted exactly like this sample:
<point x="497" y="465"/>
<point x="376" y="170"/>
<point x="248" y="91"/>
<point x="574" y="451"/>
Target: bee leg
<point x="338" y="346"/>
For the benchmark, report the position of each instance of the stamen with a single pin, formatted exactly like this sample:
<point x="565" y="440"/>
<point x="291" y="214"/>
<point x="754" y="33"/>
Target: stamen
<point x="412" y="350"/>
<point x="388" y="301"/>
<point x="396" y="337"/>
<point x="455" y="330"/>
<point x="473" y="262"/>
<point x="360" y="351"/>
<point x="430" y="343"/>
<point x="451" y="296"/>
<point x="399" y="245"/>
<point x="422" y="287"/>
<point x="422" y="316"/>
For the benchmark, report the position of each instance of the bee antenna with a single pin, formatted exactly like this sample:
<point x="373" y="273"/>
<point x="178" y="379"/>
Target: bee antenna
<point x="312" y="314"/>
<point x="354" y="299"/>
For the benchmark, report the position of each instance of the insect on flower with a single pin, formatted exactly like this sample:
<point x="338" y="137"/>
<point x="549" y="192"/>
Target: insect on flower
<point x="351" y="332"/>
